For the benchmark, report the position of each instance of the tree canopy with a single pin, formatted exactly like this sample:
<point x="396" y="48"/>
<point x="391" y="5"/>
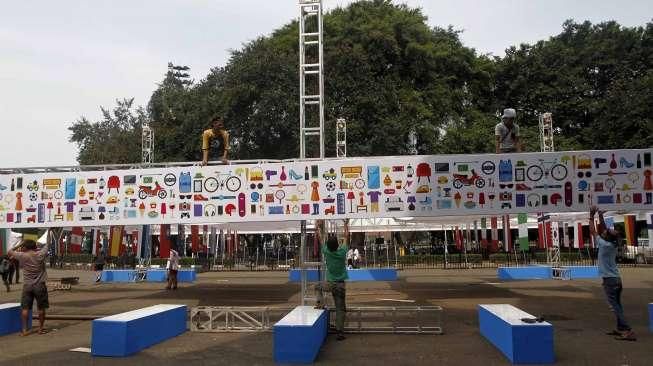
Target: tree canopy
<point x="387" y="72"/>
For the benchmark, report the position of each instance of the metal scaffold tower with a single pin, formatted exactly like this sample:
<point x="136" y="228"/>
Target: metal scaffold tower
<point x="147" y="144"/>
<point x="546" y="132"/>
<point x="546" y="145"/>
<point x="311" y="105"/>
<point x="341" y="138"/>
<point x="311" y="74"/>
<point x="147" y="155"/>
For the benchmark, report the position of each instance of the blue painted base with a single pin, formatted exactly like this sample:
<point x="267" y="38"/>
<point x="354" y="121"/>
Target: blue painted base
<point x="650" y="317"/>
<point x="355" y="275"/>
<point x="10" y="319"/>
<point x="153" y="275"/>
<point x="125" y="334"/>
<point x="524" y="273"/>
<point x="298" y="338"/>
<point x="161" y="275"/>
<point x="520" y="343"/>
<point x="118" y="275"/>
<point x="578" y="272"/>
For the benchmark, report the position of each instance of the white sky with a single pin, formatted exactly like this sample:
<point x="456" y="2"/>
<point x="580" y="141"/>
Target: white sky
<point x="60" y="60"/>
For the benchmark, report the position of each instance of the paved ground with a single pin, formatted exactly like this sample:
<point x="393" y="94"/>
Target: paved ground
<point x="576" y="308"/>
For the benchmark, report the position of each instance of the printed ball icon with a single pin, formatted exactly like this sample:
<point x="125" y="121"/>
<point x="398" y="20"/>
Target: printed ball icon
<point x="331" y="186"/>
<point x="33" y="196"/>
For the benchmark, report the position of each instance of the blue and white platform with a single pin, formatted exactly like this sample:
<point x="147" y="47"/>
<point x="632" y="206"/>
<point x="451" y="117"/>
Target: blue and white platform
<point x="153" y="275"/>
<point x="355" y="275"/>
<point x="650" y="317"/>
<point x="127" y="333"/>
<point x="10" y="318"/>
<point x="520" y="342"/>
<point x="299" y="335"/>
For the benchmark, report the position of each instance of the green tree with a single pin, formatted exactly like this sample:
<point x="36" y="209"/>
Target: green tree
<point x="386" y="72"/>
<point x="596" y="79"/>
<point x="116" y="139"/>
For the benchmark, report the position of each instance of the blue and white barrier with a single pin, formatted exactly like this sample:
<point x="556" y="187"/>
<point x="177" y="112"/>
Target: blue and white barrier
<point x="580" y="272"/>
<point x="524" y="273"/>
<point x="541" y="272"/>
<point x="127" y="333"/>
<point x="10" y="318"/>
<point x="153" y="275"/>
<point x="299" y="335"/>
<point x="355" y="275"/>
<point x="161" y="275"/>
<point x="520" y="342"/>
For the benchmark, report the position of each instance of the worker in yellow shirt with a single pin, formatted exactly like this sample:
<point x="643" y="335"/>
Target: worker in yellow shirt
<point x="222" y="140"/>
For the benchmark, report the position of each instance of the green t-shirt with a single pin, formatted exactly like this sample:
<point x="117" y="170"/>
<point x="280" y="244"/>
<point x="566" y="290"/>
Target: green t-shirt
<point x="335" y="263"/>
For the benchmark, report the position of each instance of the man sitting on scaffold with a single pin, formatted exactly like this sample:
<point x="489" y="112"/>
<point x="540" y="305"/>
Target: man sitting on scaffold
<point x="222" y="140"/>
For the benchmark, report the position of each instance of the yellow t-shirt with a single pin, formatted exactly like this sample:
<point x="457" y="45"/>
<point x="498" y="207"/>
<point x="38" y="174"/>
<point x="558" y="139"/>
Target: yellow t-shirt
<point x="208" y="135"/>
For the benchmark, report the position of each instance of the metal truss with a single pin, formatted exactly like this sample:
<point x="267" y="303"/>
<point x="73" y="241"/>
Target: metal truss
<point x="392" y="319"/>
<point x="214" y="319"/>
<point x="561" y="273"/>
<point x="363" y="319"/>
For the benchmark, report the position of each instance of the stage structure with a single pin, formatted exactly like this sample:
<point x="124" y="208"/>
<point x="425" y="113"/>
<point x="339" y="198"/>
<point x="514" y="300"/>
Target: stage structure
<point x="375" y="187"/>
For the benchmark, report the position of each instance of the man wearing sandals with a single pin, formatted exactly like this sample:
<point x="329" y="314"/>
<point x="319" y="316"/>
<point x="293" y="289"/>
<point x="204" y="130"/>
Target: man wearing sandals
<point x="606" y="240"/>
<point x="34" y="277"/>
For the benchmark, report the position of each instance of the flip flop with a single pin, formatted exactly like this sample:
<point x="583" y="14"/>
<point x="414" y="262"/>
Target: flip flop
<point x="44" y="331"/>
<point x="613" y="333"/>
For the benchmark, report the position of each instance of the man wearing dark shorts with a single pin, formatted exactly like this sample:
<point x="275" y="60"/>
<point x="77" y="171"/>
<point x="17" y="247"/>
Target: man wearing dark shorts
<point x="34" y="278"/>
<point x="335" y="256"/>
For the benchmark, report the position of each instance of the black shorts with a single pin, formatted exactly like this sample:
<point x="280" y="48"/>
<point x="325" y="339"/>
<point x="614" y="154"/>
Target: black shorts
<point x="99" y="267"/>
<point x="37" y="291"/>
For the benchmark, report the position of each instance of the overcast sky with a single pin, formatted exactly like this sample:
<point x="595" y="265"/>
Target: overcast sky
<point x="60" y="60"/>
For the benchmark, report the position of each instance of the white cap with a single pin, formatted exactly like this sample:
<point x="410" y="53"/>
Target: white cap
<point x="509" y="113"/>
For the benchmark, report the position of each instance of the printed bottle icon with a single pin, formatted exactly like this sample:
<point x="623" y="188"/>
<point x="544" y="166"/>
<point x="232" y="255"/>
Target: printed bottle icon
<point x="613" y="163"/>
<point x="306" y="173"/>
<point x="639" y="162"/>
<point x="12" y="185"/>
<point x="283" y="175"/>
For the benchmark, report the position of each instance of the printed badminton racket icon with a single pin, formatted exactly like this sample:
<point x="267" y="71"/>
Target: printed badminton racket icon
<point x="280" y="195"/>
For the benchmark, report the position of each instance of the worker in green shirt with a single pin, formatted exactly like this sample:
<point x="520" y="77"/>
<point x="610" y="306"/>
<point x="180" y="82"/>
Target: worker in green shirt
<point x="335" y="257"/>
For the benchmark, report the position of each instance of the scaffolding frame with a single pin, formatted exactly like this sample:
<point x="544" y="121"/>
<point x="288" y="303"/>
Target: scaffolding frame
<point x="341" y="138"/>
<point x="310" y="36"/>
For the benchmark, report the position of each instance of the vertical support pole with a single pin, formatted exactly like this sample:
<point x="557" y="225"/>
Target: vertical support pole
<point x="302" y="261"/>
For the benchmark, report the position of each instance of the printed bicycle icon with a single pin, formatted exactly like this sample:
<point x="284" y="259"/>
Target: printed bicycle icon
<point x="546" y="168"/>
<point x="223" y="180"/>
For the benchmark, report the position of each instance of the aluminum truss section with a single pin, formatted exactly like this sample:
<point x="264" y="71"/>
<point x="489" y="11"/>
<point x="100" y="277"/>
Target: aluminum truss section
<point x="311" y="73"/>
<point x="546" y="132"/>
<point x="392" y="319"/>
<point x="341" y="138"/>
<point x="215" y="319"/>
<point x="559" y="273"/>
<point x="147" y="144"/>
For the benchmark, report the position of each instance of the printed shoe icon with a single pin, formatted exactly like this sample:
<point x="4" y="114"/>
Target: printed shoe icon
<point x="522" y="187"/>
<point x="623" y="163"/>
<point x="295" y="176"/>
<point x="2" y="188"/>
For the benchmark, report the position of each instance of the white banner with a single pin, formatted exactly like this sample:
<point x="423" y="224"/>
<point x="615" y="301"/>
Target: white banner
<point x="402" y="186"/>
